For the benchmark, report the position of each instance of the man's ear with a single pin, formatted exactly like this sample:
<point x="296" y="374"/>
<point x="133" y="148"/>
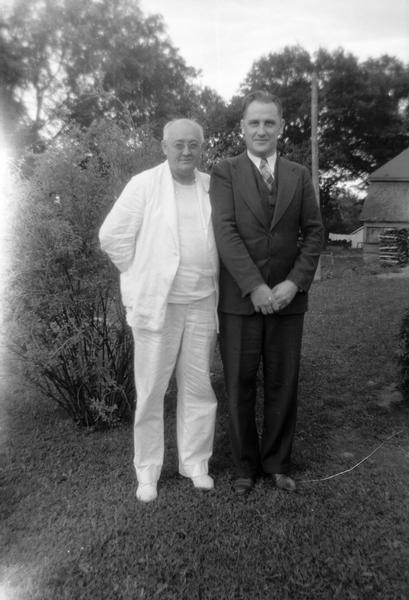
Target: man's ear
<point x="241" y="126"/>
<point x="163" y="146"/>
<point x="282" y="126"/>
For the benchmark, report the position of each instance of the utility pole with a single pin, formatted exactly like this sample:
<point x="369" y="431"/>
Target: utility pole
<point x="314" y="148"/>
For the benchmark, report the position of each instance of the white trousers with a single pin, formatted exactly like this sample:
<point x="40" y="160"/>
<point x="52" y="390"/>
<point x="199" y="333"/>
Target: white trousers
<point x="186" y="342"/>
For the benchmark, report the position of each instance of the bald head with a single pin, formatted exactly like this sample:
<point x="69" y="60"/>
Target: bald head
<point x="182" y="145"/>
<point x="184" y="124"/>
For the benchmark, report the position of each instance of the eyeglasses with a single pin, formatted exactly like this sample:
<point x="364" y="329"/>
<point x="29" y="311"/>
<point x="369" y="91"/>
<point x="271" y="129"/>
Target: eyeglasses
<point x="192" y="146"/>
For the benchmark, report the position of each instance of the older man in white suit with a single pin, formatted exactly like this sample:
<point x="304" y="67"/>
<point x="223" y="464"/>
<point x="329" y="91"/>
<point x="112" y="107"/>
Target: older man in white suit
<point x="159" y="235"/>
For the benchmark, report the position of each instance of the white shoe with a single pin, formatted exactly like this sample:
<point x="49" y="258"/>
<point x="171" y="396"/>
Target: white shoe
<point x="203" y="482"/>
<point x="147" y="492"/>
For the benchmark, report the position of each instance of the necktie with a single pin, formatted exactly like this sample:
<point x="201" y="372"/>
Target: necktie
<point x="267" y="174"/>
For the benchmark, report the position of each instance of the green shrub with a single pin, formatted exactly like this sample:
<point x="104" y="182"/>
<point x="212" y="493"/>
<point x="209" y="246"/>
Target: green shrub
<point x="404" y="356"/>
<point x="67" y="323"/>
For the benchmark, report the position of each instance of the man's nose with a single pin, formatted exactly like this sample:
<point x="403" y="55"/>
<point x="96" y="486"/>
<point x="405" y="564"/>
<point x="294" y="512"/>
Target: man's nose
<point x="186" y="149"/>
<point x="261" y="130"/>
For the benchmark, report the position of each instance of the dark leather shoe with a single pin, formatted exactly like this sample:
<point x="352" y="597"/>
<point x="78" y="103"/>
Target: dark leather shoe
<point x="243" y="485"/>
<point x="284" y="482"/>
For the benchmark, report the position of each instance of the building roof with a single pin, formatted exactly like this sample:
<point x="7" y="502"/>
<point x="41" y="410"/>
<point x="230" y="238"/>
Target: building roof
<point x="396" y="169"/>
<point x="387" y="202"/>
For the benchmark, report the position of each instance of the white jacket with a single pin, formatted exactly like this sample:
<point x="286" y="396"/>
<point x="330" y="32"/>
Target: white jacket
<point x="140" y="236"/>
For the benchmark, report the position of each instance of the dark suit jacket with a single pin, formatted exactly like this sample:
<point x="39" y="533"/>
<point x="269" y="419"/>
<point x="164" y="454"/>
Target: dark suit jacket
<point x="254" y="251"/>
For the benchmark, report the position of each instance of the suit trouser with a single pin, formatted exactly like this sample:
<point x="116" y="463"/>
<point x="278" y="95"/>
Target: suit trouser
<point x="186" y="343"/>
<point x="244" y="341"/>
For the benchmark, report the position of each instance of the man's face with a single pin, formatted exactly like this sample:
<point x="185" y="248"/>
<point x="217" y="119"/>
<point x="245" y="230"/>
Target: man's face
<point x="183" y="148"/>
<point x="261" y="127"/>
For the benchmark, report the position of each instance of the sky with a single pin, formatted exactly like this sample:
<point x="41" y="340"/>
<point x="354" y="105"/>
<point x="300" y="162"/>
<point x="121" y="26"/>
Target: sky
<point x="223" y="38"/>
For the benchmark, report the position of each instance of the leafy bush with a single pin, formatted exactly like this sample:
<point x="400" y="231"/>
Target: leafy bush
<point x="68" y="326"/>
<point x="82" y="360"/>
<point x="404" y="356"/>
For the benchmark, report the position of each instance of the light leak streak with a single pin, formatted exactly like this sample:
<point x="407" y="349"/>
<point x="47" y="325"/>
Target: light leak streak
<point x="7" y="197"/>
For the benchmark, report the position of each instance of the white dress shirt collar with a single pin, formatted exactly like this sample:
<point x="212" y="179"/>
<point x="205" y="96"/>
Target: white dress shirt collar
<point x="271" y="160"/>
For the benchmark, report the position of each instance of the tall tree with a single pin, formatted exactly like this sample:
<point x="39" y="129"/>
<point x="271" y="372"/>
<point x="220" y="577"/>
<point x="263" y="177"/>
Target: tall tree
<point x="120" y="59"/>
<point x="362" y="121"/>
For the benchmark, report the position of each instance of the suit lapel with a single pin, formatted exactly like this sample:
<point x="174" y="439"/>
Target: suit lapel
<point x="285" y="190"/>
<point x="248" y="187"/>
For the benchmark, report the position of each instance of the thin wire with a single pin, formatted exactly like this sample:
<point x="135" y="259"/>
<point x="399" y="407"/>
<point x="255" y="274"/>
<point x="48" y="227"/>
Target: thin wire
<point x="355" y="466"/>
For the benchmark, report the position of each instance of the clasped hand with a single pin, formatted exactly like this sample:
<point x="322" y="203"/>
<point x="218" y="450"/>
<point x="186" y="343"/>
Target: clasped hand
<point x="270" y="300"/>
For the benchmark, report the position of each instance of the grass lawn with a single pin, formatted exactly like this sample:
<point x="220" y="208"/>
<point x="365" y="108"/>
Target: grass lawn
<point x="72" y="529"/>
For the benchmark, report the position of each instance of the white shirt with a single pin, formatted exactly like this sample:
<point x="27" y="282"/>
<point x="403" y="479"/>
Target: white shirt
<point x="271" y="160"/>
<point x="194" y="278"/>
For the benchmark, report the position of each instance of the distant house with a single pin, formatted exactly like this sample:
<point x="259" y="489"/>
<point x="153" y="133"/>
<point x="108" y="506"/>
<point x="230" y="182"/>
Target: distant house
<point x="356" y="237"/>
<point x="387" y="203"/>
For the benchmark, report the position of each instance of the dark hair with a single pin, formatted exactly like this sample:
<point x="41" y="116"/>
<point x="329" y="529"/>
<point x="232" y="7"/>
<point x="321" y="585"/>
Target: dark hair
<point x="261" y="96"/>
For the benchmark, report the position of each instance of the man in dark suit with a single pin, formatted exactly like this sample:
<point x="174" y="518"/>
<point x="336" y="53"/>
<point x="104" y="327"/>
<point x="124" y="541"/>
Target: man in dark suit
<point x="269" y="234"/>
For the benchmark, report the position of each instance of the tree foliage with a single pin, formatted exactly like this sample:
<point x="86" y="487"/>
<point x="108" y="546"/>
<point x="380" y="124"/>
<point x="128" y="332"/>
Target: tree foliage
<point x="80" y="61"/>
<point x="362" y="114"/>
<point x="13" y="113"/>
<point x="127" y="57"/>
